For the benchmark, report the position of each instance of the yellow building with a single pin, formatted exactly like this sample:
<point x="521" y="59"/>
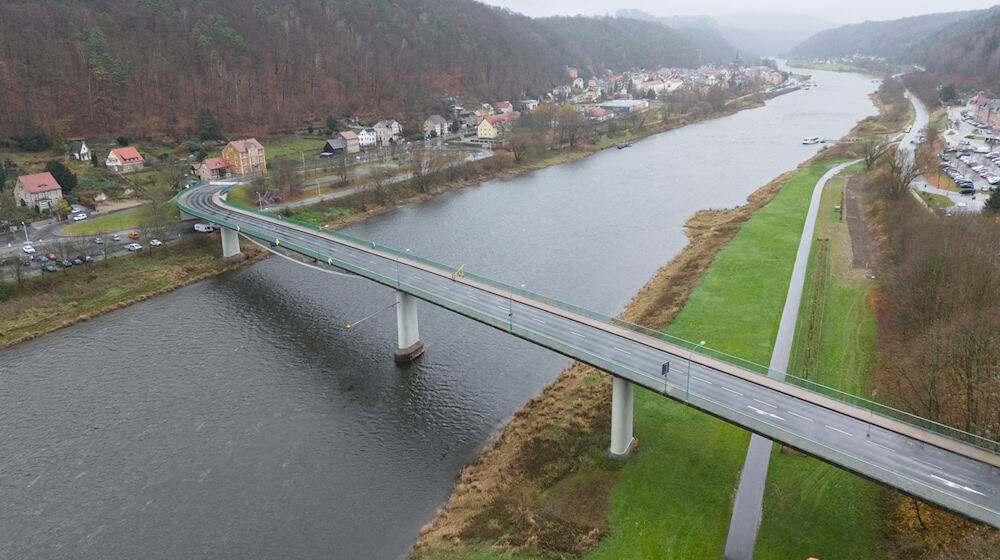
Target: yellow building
<point x="245" y="157"/>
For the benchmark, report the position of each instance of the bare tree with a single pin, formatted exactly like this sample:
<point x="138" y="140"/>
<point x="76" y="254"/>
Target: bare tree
<point x="872" y="150"/>
<point x="894" y="179"/>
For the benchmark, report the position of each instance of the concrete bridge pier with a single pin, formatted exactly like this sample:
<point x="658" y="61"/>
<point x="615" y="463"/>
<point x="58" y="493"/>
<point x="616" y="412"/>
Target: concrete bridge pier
<point x="408" y="335"/>
<point x="230" y="245"/>
<point x="623" y="443"/>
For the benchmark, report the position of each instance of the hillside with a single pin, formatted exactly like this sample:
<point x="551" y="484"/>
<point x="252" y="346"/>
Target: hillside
<point x="137" y="67"/>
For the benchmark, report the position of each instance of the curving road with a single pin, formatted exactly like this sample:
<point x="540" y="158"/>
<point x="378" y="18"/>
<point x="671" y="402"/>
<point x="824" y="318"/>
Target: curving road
<point x="953" y="475"/>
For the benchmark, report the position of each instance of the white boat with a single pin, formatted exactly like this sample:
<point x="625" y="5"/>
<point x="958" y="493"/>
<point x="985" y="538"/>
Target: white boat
<point x="811" y="140"/>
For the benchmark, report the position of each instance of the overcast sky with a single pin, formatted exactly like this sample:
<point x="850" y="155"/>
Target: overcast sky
<point x="835" y="11"/>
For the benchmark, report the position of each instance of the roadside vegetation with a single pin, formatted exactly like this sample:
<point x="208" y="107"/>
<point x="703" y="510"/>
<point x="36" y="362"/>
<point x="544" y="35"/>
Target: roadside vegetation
<point x="41" y="304"/>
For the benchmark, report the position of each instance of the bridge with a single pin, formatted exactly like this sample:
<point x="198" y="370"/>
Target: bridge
<point x="933" y="462"/>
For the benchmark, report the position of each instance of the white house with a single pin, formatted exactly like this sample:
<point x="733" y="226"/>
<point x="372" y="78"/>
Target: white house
<point x="124" y="160"/>
<point x="78" y="149"/>
<point x="367" y="137"/>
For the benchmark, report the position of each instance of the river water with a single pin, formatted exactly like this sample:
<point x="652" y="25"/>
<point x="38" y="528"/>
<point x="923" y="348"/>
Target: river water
<point x="238" y="418"/>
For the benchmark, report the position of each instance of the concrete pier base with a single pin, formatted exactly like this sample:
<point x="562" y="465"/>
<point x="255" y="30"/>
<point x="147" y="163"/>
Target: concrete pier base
<point x="409" y="347"/>
<point x="231" y="245"/>
<point x="623" y="443"/>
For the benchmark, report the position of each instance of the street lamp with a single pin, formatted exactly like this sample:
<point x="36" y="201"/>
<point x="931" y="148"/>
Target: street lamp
<point x="25" y="228"/>
<point x="687" y="388"/>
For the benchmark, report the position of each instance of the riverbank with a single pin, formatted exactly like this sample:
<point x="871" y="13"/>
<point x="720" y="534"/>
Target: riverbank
<point x="53" y="301"/>
<point x="544" y="487"/>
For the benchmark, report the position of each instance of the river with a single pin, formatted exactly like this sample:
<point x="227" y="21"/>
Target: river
<point x="239" y="418"/>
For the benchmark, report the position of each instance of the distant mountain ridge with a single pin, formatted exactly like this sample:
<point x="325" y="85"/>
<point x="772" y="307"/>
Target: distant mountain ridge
<point x="136" y="66"/>
<point x="754" y="34"/>
<point x="962" y="46"/>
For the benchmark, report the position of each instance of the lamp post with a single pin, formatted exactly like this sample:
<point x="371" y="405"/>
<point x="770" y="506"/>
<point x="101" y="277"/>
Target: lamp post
<point x="687" y="387"/>
<point x="260" y="201"/>
<point x="25" y="228"/>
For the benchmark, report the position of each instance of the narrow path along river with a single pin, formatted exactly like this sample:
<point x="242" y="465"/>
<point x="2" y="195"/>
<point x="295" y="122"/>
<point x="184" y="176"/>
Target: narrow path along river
<point x="238" y="418"/>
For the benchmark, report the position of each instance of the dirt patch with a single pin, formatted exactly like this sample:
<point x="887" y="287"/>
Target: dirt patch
<point x="543" y="484"/>
<point x="861" y="241"/>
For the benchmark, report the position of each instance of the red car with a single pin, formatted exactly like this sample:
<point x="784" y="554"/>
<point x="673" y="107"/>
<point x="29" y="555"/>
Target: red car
<point x="50" y="256"/>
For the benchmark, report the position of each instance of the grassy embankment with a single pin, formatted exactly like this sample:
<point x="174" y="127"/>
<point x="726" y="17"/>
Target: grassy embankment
<point x="688" y="461"/>
<point x="810" y="507"/>
<point x="50" y="302"/>
<point x="830" y="67"/>
<point x="935" y="200"/>
<point x="126" y="219"/>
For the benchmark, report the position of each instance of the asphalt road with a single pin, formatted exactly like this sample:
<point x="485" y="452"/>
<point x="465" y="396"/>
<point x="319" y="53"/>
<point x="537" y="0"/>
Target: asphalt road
<point x="898" y="458"/>
<point x="746" y="516"/>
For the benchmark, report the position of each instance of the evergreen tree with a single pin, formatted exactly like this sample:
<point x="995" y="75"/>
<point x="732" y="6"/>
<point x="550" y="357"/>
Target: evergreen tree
<point x="331" y="125"/>
<point x="993" y="202"/>
<point x="58" y="144"/>
<point x="62" y="175"/>
<point x="93" y="159"/>
<point x="3" y="177"/>
<point x="208" y="128"/>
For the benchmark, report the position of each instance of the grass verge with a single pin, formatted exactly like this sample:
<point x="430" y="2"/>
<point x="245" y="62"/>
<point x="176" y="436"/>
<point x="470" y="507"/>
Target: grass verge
<point x="125" y="219"/>
<point x="50" y="302"/>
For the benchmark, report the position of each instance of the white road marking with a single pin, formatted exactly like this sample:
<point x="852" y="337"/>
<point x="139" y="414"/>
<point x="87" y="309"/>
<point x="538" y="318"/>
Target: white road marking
<point x="696" y="378"/>
<point x="577" y="334"/>
<point x="807" y="419"/>
<point x="765" y="403"/>
<point x="732" y="391"/>
<point x="889" y="449"/>
<point x="957" y="485"/>
<point x="620" y="350"/>
<point x="931" y="465"/>
<point x="764" y="412"/>
<point x="836" y="430"/>
<point x="535" y="320"/>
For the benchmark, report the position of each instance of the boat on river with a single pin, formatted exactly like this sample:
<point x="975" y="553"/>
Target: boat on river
<point x="624" y="145"/>
<point x="811" y="140"/>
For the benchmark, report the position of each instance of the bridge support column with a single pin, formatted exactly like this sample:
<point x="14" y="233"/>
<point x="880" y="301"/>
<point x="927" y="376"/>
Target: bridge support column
<point x="230" y="245"/>
<point x="623" y="444"/>
<point x="408" y="335"/>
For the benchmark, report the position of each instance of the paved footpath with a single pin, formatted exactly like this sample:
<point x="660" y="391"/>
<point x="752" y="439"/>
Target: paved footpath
<point x="747" y="506"/>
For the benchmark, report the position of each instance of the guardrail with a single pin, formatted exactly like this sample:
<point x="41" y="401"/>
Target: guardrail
<point x="695" y="348"/>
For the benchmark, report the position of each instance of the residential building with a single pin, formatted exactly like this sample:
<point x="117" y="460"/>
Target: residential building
<point x="334" y="146"/>
<point x="78" y="149"/>
<point x="366" y="137"/>
<point x="598" y="114"/>
<point x="504" y="107"/>
<point x="39" y="191"/>
<point x="578" y="83"/>
<point x="435" y="124"/>
<point x="528" y="104"/>
<point x="125" y="160"/>
<point x="985" y="110"/>
<point x="625" y="106"/>
<point x="387" y="131"/>
<point x="351" y="141"/>
<point x="211" y="169"/>
<point x="495" y="125"/>
<point x="245" y="157"/>
<point x="571" y="72"/>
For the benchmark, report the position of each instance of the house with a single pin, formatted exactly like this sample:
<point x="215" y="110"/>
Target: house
<point x="528" y="104"/>
<point x="367" y="137"/>
<point x="435" y="124"/>
<point x="39" y="191"/>
<point x="334" y="146"/>
<point x="578" y="83"/>
<point x="494" y="125"/>
<point x="504" y="107"/>
<point x="625" y="106"/>
<point x="598" y="114"/>
<point x="387" y="131"/>
<point x="571" y="72"/>
<point x="351" y="141"/>
<point x="211" y="169"/>
<point x="78" y="149"/>
<point x="124" y="160"/>
<point x="245" y="157"/>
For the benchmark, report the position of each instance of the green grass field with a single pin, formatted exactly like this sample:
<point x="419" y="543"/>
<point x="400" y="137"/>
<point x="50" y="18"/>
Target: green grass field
<point x="832" y="67"/>
<point x="833" y="512"/>
<point x="935" y="200"/>
<point x="119" y="220"/>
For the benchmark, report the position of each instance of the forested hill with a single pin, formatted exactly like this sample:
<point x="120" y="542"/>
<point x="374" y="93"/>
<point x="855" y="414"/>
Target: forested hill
<point x="143" y="66"/>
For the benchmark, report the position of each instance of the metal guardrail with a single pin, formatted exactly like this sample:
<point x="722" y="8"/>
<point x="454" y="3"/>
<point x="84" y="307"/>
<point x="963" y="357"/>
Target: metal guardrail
<point x="696" y="348"/>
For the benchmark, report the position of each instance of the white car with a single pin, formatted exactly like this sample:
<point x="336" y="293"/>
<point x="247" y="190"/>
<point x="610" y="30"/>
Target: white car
<point x="155" y="243"/>
<point x="99" y="240"/>
<point x="133" y="247"/>
<point x="204" y="228"/>
<point x="28" y="249"/>
<point x="80" y="216"/>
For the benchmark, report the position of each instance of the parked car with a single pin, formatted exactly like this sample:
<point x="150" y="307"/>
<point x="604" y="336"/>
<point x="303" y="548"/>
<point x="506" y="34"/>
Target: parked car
<point x="134" y="247"/>
<point x="968" y="192"/>
<point x="155" y="243"/>
<point x="133" y="235"/>
<point x="77" y="261"/>
<point x="28" y="249"/>
<point x="99" y="240"/>
<point x="204" y="228"/>
<point x="80" y="216"/>
<point x="65" y="263"/>
<point x="50" y="268"/>
<point x="42" y="258"/>
<point x="116" y="237"/>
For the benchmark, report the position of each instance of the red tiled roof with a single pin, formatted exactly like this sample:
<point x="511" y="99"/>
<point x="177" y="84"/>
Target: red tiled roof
<point x="503" y="104"/>
<point x="127" y="155"/>
<point x="242" y="145"/>
<point x="214" y="163"/>
<point x="39" y="182"/>
<point x="503" y="117"/>
<point x="349" y="135"/>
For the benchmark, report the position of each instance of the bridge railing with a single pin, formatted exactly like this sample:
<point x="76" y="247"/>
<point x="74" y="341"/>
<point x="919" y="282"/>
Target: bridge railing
<point x="875" y="407"/>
